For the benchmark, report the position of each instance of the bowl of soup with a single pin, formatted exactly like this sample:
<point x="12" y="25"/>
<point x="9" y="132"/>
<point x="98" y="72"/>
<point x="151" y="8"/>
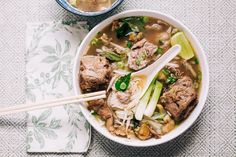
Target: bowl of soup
<point x="127" y="43"/>
<point x="89" y="7"/>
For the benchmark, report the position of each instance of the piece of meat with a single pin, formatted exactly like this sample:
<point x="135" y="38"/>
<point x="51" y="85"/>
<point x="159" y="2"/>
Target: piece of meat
<point x="100" y="106"/>
<point x="164" y="40"/>
<point x="190" y="108"/>
<point x="95" y="73"/>
<point x="96" y="104"/>
<point x="141" y="54"/>
<point x="124" y="97"/>
<point x="120" y="131"/>
<point x="105" y="112"/>
<point x="144" y="132"/>
<point x="179" y="97"/>
<point x="109" y="124"/>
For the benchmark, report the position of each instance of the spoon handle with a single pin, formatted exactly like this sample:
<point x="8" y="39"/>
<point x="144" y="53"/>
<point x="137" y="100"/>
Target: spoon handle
<point x="152" y="70"/>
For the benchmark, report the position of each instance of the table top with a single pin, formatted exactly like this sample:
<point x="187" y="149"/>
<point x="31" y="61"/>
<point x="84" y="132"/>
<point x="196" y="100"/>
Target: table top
<point x="214" y="24"/>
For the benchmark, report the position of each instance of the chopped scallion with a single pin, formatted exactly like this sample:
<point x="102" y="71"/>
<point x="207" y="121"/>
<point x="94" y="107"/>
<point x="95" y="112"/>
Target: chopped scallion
<point x="95" y="42"/>
<point x="166" y="71"/>
<point x="129" y="44"/>
<point x="120" y="65"/>
<point x="171" y="80"/>
<point x="159" y="51"/>
<point x="196" y="61"/>
<point x="122" y="83"/>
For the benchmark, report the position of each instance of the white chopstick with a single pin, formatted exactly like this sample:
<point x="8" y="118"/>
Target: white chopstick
<point x="53" y="103"/>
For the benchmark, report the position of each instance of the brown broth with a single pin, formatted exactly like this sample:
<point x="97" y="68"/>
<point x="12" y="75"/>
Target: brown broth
<point x="92" y="5"/>
<point x="151" y="36"/>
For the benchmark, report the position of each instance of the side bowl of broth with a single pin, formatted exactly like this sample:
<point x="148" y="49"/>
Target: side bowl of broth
<point x="90" y="8"/>
<point x="202" y="90"/>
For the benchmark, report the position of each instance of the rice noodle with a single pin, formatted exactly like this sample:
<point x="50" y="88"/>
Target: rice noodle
<point x="172" y="65"/>
<point x="169" y="30"/>
<point x="121" y="72"/>
<point x="124" y="112"/>
<point x="101" y="122"/>
<point x="113" y="101"/>
<point x="105" y="40"/>
<point x="190" y="68"/>
<point x="112" y="82"/>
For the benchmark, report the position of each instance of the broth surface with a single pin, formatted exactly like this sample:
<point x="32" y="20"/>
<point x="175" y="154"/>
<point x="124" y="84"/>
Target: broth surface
<point x="128" y="45"/>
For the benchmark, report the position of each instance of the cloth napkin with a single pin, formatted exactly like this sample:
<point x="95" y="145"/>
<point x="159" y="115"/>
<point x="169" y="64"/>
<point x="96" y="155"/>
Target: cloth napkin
<point x="51" y="48"/>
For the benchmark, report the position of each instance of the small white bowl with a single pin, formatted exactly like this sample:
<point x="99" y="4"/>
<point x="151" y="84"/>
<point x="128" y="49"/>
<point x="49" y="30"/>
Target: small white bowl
<point x="203" y="91"/>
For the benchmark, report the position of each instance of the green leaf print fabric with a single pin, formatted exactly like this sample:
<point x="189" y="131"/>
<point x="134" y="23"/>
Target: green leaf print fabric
<point x="50" y="50"/>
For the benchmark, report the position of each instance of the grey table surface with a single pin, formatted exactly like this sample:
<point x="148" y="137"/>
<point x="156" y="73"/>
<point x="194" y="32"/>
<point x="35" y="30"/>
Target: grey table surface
<point x="212" y="21"/>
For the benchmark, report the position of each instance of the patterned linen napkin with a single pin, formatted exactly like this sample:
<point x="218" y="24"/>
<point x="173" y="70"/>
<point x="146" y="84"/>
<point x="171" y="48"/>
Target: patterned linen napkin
<point x="51" y="48"/>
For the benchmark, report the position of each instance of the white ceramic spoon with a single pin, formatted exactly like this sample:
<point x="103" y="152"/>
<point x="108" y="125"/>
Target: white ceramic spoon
<point x="151" y="71"/>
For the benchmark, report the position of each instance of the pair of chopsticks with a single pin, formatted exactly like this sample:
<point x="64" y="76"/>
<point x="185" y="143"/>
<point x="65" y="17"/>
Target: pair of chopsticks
<point x="53" y="103"/>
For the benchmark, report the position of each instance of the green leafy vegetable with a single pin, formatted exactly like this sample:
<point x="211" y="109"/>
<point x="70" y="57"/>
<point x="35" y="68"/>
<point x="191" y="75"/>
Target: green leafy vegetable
<point x="131" y="24"/>
<point x="123" y="86"/>
<point x="154" y="99"/>
<point x="171" y="80"/>
<point x="95" y="42"/>
<point x="159" y="51"/>
<point x="129" y="44"/>
<point x="135" y="23"/>
<point x="135" y="122"/>
<point x="140" y="58"/>
<point x="99" y="33"/>
<point x="143" y="102"/>
<point x="123" y="31"/>
<point x="112" y="56"/>
<point x="145" y="19"/>
<point x="196" y="61"/>
<point x="166" y="71"/>
<point x="122" y="83"/>
<point x="160" y="108"/>
<point x="159" y="116"/>
<point x="138" y="61"/>
<point x="120" y="64"/>
<point x="94" y="112"/>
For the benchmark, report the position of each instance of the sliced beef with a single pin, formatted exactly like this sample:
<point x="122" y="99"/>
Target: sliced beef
<point x="141" y="54"/>
<point x="96" y="104"/>
<point x="103" y="110"/>
<point x="95" y="73"/>
<point x="179" y="97"/>
<point x="100" y="106"/>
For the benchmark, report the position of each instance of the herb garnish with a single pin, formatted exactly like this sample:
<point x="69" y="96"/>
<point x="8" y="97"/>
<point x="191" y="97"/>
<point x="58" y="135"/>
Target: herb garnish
<point x="196" y="61"/>
<point x="171" y="80"/>
<point x="112" y="56"/>
<point x="135" y="123"/>
<point x="95" y="41"/>
<point x="159" y="51"/>
<point x="122" y="83"/>
<point x="131" y="24"/>
<point x="166" y="71"/>
<point x="129" y="44"/>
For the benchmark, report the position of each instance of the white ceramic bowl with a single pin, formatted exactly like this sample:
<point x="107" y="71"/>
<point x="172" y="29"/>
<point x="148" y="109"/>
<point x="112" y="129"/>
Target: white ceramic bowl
<point x="203" y="92"/>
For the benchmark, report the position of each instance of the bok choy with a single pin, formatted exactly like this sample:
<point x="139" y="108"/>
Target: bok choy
<point x="143" y="102"/>
<point x="154" y="99"/>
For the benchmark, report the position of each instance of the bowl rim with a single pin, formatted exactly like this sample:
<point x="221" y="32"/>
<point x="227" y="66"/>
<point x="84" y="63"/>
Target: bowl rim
<point x="187" y="123"/>
<point x="75" y="11"/>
